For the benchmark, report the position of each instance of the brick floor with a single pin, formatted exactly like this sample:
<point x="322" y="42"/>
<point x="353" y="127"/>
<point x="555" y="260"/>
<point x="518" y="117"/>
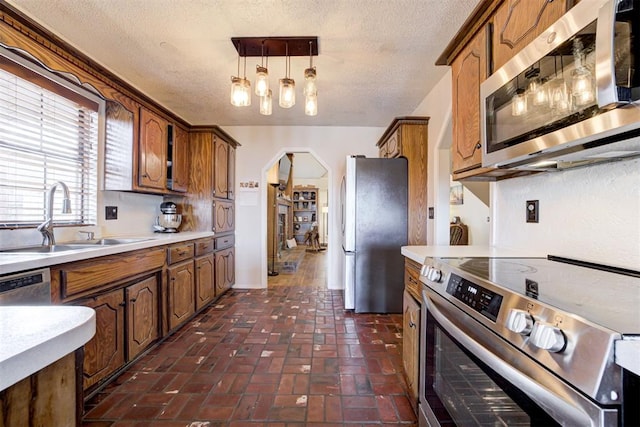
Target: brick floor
<point x="289" y="355"/>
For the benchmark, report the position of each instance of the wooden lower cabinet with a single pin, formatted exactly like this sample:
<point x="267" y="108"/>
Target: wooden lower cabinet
<point x="142" y="315"/>
<point x="205" y="285"/>
<point x="181" y="293"/>
<point x="104" y="353"/>
<point x="133" y="309"/>
<point x="411" y="345"/>
<point x="224" y="270"/>
<point x="45" y="398"/>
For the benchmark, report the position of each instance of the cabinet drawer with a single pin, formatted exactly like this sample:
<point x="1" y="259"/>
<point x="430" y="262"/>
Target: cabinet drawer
<point x="83" y="276"/>
<point x="204" y="246"/>
<point x="180" y="252"/>
<point x="412" y="279"/>
<point x="225" y="241"/>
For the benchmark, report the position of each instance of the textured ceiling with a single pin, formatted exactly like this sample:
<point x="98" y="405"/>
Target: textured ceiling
<point x="376" y="57"/>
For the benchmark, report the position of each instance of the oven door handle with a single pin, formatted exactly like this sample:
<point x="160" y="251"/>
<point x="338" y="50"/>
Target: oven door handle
<point x="555" y="404"/>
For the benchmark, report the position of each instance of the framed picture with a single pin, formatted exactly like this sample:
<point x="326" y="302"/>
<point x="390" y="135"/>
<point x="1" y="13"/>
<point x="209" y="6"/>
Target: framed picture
<point x="456" y="195"/>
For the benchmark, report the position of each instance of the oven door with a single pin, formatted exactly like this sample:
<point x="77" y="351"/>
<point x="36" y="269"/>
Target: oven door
<point x="472" y="377"/>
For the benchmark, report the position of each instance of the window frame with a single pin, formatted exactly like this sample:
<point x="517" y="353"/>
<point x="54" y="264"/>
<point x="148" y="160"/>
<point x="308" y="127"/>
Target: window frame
<point x="69" y="87"/>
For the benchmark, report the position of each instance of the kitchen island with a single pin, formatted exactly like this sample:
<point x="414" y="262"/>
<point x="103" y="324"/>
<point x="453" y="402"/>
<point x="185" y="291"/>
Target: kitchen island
<point x="38" y="382"/>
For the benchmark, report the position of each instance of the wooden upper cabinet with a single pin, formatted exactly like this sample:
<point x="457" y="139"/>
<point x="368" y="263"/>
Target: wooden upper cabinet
<point x="152" y="153"/>
<point x="180" y="160"/>
<point x="220" y="167"/>
<point x="408" y="137"/>
<point x="469" y="69"/>
<point x="517" y="23"/>
<point x="223" y="216"/>
<point x="231" y="171"/>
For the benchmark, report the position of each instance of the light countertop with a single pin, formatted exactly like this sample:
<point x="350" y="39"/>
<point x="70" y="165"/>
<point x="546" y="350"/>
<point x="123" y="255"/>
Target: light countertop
<point x="15" y="262"/>
<point x="419" y="253"/>
<point x="34" y="337"/>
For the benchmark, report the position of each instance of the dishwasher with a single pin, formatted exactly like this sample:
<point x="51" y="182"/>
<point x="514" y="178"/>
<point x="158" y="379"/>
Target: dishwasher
<point x="26" y="288"/>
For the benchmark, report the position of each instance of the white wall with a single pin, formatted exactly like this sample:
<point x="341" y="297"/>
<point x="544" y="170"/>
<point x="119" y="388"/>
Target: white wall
<point x="261" y="147"/>
<point x="591" y="213"/>
<point x="473" y="213"/>
<point x="136" y="216"/>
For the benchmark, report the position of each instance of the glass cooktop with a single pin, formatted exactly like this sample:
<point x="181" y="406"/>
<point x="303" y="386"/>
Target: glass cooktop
<point x="610" y="299"/>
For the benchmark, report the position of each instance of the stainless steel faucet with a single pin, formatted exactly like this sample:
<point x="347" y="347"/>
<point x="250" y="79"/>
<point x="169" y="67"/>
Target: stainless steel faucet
<point x="46" y="228"/>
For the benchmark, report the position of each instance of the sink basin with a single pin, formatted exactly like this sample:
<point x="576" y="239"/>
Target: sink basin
<point x="73" y="246"/>
<point x="44" y="249"/>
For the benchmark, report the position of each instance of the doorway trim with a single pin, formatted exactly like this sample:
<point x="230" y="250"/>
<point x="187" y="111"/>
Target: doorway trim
<point x="263" y="209"/>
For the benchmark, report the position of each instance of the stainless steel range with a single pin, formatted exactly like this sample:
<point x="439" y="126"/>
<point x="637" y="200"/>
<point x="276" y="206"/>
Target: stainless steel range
<point x="528" y="341"/>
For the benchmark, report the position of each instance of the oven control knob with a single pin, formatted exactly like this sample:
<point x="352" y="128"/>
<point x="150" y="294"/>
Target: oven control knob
<point x="519" y="321"/>
<point x="548" y="337"/>
<point x="434" y="275"/>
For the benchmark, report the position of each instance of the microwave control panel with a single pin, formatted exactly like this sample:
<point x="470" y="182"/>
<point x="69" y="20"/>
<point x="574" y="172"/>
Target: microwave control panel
<point x="478" y="298"/>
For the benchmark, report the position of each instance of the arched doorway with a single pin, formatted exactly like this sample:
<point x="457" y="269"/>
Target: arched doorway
<point x="297" y="218"/>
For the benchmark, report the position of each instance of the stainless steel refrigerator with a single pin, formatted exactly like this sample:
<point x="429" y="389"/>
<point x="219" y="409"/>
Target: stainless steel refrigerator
<point x="374" y="227"/>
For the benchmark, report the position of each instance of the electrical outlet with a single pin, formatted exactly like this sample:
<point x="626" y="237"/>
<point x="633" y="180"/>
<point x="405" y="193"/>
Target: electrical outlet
<point x="532" y="210"/>
<point x="111" y="212"/>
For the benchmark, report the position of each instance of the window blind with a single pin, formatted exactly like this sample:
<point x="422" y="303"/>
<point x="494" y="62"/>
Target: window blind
<point x="45" y="137"/>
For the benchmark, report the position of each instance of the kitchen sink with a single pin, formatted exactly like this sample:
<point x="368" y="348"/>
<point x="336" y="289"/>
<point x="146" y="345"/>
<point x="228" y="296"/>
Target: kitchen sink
<point x="45" y="249"/>
<point x="73" y="246"/>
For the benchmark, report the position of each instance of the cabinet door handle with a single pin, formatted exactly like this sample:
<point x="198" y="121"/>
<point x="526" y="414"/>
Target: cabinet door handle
<point x="412" y="324"/>
<point x="122" y="304"/>
<point x="478" y="146"/>
<point x="133" y="299"/>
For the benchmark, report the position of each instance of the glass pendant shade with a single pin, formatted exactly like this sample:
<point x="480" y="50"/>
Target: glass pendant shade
<point x="582" y="86"/>
<point x="266" y="104"/>
<point x="519" y="103"/>
<point x="310" y="87"/>
<point x="559" y="100"/>
<point x="262" y="80"/>
<point x="311" y="105"/>
<point x="538" y="92"/>
<point x="287" y="93"/>
<point x="240" y="92"/>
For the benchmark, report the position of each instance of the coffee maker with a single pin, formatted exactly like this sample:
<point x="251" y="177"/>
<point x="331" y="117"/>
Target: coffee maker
<point x="169" y="220"/>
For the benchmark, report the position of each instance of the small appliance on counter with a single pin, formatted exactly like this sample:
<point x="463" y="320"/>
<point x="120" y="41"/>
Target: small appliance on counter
<point x="169" y="220"/>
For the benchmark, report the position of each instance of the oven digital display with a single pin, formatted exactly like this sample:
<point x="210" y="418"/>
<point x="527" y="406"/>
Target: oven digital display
<point x="478" y="298"/>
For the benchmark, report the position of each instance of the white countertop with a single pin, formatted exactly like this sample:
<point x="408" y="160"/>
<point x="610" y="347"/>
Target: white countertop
<point x="15" y="262"/>
<point x="34" y="337"/>
<point x="419" y="253"/>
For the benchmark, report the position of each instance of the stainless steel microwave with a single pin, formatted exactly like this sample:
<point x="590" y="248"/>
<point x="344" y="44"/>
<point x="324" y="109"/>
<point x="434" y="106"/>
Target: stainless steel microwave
<point x="571" y="97"/>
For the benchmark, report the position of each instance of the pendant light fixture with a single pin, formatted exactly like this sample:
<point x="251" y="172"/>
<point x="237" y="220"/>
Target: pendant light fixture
<point x="310" y="88"/>
<point x="262" y="75"/>
<point x="287" y="85"/>
<point x="240" y="88"/>
<point x="286" y="47"/>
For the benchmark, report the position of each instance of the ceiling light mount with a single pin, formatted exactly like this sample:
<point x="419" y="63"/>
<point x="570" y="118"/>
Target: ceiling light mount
<point x="275" y="46"/>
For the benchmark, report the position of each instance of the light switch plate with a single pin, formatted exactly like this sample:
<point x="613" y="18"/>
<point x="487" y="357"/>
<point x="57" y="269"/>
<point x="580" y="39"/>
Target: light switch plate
<point x="111" y="212"/>
<point x="532" y="210"/>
